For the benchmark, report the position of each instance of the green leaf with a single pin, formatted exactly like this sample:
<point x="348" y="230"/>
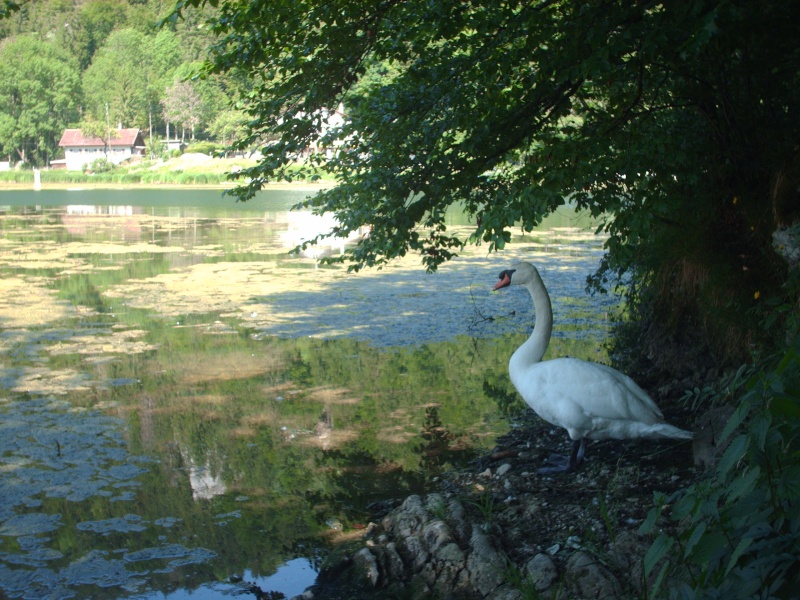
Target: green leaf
<point x="744" y="484"/>
<point x="732" y="455"/>
<point x="698" y="531"/>
<point x="709" y="547"/>
<point x="785" y="406"/>
<point x="660" y="579"/>
<point x="735" y="420"/>
<point x="657" y="550"/>
<point x="650" y="522"/>
<point x="740" y="549"/>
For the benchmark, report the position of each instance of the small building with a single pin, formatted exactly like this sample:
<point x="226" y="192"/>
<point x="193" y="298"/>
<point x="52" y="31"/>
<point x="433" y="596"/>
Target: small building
<point x="172" y="145"/>
<point x="80" y="151"/>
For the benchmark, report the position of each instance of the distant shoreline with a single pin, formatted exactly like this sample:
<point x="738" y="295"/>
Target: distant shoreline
<point x="27" y="186"/>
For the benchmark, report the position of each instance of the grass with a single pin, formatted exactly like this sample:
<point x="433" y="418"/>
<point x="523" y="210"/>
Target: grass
<point x="485" y="505"/>
<point x="189" y="169"/>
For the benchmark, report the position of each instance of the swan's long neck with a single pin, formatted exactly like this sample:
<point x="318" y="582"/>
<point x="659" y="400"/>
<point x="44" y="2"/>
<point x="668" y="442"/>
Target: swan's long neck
<point x="534" y="348"/>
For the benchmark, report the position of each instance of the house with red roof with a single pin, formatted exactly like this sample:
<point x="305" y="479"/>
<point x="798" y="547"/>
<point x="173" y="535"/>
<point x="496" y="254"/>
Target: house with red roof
<point x="81" y="151"/>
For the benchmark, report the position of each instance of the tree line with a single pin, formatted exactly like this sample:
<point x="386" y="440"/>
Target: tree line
<point x="101" y="64"/>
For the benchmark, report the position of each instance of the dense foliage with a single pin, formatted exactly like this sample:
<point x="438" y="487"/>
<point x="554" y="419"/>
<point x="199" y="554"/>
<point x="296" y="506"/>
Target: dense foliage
<point x="40" y="89"/>
<point x="739" y="533"/>
<point x="677" y="121"/>
<point x="99" y="64"/>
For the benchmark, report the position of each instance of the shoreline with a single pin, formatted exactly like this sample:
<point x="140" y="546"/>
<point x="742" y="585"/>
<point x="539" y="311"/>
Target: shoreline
<point x="15" y="187"/>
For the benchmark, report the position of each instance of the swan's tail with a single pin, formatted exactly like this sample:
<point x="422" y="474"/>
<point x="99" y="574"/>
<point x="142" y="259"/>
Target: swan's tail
<point x="604" y="429"/>
<point x="664" y="430"/>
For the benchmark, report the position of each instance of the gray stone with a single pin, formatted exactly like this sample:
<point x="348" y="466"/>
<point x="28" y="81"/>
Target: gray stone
<point x="627" y="552"/>
<point x="450" y="553"/>
<point x="506" y="593"/>
<point x="392" y="563"/>
<point x="459" y="524"/>
<point x="502" y="470"/>
<point x="484" y="563"/>
<point x="436" y="533"/>
<point x="366" y="566"/>
<point x="589" y="579"/>
<point x="542" y="570"/>
<point x="417" y="555"/>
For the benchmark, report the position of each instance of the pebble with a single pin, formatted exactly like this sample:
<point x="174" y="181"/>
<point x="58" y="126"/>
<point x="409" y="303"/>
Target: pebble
<point x="502" y="470"/>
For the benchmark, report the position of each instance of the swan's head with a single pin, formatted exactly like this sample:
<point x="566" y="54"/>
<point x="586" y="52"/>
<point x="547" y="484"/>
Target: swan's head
<point x="521" y="274"/>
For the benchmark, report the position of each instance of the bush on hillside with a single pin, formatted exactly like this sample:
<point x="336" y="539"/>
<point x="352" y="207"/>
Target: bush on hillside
<point x="209" y="148"/>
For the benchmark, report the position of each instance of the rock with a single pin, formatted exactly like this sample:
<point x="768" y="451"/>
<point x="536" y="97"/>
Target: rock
<point x="415" y="552"/>
<point x="542" y="571"/>
<point x="706" y="445"/>
<point x="436" y="533"/>
<point x="450" y="544"/>
<point x="627" y="552"/>
<point x="485" y="564"/>
<point x="502" y="470"/>
<point x="366" y="565"/>
<point x="507" y="594"/>
<point x="450" y="553"/>
<point x="392" y="563"/>
<point x="457" y="517"/>
<point x="589" y="579"/>
<point x="554" y="549"/>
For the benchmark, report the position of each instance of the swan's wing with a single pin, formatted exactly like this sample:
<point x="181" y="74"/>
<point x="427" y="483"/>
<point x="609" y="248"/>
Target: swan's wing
<point x="631" y="389"/>
<point x="571" y="393"/>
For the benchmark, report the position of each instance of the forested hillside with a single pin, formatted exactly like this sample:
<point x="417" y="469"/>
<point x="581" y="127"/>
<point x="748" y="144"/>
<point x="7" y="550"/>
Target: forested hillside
<point x="97" y="64"/>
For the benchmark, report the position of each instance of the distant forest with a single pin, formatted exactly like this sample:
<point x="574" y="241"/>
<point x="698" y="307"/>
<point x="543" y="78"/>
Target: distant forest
<point x="101" y="64"/>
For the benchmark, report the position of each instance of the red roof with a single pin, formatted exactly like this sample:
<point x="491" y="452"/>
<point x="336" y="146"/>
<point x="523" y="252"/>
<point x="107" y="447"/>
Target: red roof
<point x="120" y="137"/>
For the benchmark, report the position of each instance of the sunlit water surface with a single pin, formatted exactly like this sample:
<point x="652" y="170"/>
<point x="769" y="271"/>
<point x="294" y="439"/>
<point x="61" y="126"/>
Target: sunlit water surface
<point x="188" y="411"/>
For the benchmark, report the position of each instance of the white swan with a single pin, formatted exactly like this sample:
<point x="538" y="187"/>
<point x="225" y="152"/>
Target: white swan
<point x="587" y="399"/>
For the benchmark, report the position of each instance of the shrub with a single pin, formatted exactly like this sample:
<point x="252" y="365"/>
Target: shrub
<point x="101" y="165"/>
<point x="203" y="148"/>
<point x="739" y="529"/>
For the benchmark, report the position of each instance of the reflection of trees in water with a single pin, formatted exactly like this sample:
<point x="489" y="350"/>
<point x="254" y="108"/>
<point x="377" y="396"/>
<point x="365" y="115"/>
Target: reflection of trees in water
<point x="508" y="401"/>
<point x="439" y="448"/>
<point x="349" y="480"/>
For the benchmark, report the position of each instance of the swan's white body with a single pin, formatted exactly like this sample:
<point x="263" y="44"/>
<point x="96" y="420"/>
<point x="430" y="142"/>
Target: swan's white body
<point x="587" y="399"/>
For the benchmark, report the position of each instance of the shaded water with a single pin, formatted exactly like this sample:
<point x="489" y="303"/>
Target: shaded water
<point x="188" y="411"/>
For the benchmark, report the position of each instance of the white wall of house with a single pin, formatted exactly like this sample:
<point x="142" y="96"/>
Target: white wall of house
<point x="82" y="156"/>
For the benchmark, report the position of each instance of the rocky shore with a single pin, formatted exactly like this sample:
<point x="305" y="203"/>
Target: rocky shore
<point x="501" y="531"/>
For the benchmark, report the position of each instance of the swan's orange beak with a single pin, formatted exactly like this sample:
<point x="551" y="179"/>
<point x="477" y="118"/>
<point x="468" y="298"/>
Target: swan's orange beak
<point x="504" y="281"/>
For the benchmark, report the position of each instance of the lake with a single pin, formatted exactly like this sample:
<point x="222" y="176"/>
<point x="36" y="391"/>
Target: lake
<point x="190" y="410"/>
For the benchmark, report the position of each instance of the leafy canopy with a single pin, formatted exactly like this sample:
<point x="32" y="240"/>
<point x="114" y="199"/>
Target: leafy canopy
<point x="41" y="90"/>
<point x="671" y="119"/>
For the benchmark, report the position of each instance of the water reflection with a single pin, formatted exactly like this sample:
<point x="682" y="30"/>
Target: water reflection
<point x="187" y="408"/>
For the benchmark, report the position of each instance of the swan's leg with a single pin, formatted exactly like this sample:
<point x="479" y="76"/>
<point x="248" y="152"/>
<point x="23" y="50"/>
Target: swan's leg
<point x="578" y="452"/>
<point x="563" y="464"/>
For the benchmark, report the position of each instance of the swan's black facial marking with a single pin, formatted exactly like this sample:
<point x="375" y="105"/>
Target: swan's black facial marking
<point x="505" y="279"/>
<point x="507" y="273"/>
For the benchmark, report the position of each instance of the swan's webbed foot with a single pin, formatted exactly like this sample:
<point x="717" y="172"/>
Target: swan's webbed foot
<point x="566" y="464"/>
<point x="560" y="464"/>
